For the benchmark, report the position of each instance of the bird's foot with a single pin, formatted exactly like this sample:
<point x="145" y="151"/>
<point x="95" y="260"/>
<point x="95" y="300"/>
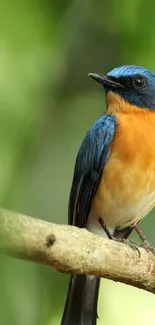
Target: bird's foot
<point x="146" y="245"/>
<point x="103" y="225"/>
<point x="128" y="242"/>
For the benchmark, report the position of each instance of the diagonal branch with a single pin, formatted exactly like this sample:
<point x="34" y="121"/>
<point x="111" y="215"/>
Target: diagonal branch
<point x="72" y="250"/>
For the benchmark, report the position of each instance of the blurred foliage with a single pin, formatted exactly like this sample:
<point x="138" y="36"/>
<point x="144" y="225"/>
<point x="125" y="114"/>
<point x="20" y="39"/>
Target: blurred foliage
<point x="47" y="103"/>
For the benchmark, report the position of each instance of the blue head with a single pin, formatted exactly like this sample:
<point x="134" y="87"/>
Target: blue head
<point x="134" y="84"/>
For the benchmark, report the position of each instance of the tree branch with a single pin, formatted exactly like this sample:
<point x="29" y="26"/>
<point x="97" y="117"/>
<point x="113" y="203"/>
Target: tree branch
<point x="72" y="250"/>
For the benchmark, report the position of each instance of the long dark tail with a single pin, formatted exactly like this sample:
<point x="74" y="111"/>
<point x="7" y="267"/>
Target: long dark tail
<point x="81" y="302"/>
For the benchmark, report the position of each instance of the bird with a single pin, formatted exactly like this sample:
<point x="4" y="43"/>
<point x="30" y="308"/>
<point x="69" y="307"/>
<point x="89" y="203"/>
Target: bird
<point x="113" y="185"/>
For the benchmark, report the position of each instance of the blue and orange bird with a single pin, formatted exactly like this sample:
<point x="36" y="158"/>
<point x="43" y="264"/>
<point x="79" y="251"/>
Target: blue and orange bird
<point x="113" y="186"/>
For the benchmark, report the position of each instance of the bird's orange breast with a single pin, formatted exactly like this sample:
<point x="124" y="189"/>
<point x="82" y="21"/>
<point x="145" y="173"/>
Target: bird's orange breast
<point x="127" y="189"/>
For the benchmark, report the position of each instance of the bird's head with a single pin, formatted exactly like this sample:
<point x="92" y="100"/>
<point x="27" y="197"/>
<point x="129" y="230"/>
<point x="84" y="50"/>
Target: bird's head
<point x="134" y="85"/>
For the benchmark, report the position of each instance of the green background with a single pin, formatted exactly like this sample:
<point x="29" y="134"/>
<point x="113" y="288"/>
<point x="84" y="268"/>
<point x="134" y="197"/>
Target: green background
<point x="47" y="103"/>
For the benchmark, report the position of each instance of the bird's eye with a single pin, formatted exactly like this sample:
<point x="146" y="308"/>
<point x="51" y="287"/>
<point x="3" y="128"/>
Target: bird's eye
<point x="139" y="82"/>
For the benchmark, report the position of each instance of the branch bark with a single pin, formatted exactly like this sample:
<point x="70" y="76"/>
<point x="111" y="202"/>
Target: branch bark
<point x="76" y="251"/>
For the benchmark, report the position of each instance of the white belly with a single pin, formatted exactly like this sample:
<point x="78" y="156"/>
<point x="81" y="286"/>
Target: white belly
<point x="118" y="216"/>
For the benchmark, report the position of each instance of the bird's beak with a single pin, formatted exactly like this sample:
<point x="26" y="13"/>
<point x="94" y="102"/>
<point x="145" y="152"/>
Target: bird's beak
<point x="105" y="80"/>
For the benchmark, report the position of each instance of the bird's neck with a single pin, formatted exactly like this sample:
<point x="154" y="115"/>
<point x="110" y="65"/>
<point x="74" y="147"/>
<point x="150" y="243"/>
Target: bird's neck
<point x="116" y="104"/>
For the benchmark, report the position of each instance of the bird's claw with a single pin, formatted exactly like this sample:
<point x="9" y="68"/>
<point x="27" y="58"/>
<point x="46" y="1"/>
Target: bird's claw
<point x="145" y="244"/>
<point x="128" y="242"/>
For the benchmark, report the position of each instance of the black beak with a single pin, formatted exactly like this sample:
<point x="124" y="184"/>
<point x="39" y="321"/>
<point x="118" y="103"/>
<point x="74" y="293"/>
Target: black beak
<point x="105" y="80"/>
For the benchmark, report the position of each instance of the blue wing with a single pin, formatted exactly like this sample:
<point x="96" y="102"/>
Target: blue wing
<point x="91" y="159"/>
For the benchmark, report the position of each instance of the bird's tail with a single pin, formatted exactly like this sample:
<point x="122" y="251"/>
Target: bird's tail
<point x="81" y="302"/>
